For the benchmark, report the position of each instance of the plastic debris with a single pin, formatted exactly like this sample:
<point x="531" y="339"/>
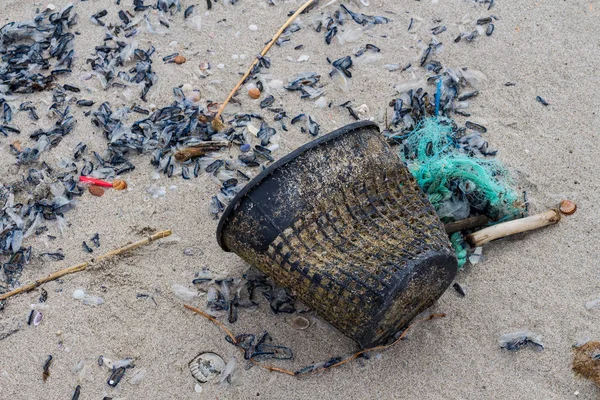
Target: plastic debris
<point x="87" y="299"/>
<point x="183" y="292"/>
<point x="477" y="256"/>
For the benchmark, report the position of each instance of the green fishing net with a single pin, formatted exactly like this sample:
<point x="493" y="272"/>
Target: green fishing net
<point x="460" y="179"/>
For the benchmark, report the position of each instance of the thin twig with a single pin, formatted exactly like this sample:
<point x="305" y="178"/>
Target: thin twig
<point x="382" y="347"/>
<point x="83" y="266"/>
<point x="213" y="320"/>
<point x="217" y="124"/>
<point x="291" y="373"/>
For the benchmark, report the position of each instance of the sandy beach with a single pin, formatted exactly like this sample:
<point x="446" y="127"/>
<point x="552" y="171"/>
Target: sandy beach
<point x="538" y="282"/>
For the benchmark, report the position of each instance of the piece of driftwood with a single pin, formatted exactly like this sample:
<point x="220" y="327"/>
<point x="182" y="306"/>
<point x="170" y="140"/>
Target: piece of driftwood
<point x="468" y="223"/>
<point x="200" y="149"/>
<point x="504" y="229"/>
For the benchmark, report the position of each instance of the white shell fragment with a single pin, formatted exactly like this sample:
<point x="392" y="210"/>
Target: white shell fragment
<point x="321" y="102"/>
<point x="183" y="292"/>
<point x="138" y="376"/>
<point x="592" y="304"/>
<point x="207" y="367"/>
<point x="253" y="28"/>
<point x="37" y="319"/>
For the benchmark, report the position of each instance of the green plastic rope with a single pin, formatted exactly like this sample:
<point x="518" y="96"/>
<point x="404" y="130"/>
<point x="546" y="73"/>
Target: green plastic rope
<point x="460" y="248"/>
<point x="455" y="180"/>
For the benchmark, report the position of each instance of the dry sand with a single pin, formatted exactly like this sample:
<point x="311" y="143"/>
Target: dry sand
<point x="538" y="282"/>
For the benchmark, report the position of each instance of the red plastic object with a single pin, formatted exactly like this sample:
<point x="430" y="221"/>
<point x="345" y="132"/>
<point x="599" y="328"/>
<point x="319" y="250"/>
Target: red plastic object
<point x="94" y="181"/>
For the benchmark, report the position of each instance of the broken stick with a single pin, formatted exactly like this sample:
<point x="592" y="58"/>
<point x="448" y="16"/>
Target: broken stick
<point x="83" y="266"/>
<point x="468" y="223"/>
<point x="511" y="227"/>
<point x="200" y="149"/>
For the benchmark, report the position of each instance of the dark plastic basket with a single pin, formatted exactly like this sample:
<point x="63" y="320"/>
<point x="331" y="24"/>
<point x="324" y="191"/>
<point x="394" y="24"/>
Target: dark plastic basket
<point x="342" y="224"/>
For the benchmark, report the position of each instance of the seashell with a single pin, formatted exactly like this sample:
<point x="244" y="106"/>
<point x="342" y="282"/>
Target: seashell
<point x="207" y="367"/>
<point x="179" y="60"/>
<point x="204" y="65"/>
<point x="118" y="184"/>
<point x="97" y="191"/>
<point x="254" y="93"/>
<point x="567" y="207"/>
<point x="37" y="318"/>
<point x="300" y="323"/>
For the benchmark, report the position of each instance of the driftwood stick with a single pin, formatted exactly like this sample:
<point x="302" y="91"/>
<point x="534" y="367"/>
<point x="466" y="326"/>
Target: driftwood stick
<point x="468" y="223"/>
<point x="200" y="149"/>
<point x="511" y="227"/>
<point x="81" y="267"/>
<point x="217" y="124"/>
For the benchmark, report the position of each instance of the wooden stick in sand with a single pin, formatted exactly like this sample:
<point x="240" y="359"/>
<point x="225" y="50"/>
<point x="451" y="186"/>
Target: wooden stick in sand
<point x="200" y="149"/>
<point x="504" y="229"/>
<point x="217" y="124"/>
<point x="468" y="223"/>
<point x="83" y="266"/>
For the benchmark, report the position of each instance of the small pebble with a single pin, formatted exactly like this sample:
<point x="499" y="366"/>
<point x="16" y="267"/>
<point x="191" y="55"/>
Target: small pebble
<point x="198" y="388"/>
<point x="253" y="28"/>
<point x="303" y="57"/>
<point x="235" y="57"/>
<point x="188" y="251"/>
<point x="254" y="93"/>
<point x="97" y="191"/>
<point x="245" y="148"/>
<point x="567" y="207"/>
<point x="220" y="66"/>
<point x="179" y="60"/>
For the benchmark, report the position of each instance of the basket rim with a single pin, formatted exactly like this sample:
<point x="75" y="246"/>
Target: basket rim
<point x="255" y="182"/>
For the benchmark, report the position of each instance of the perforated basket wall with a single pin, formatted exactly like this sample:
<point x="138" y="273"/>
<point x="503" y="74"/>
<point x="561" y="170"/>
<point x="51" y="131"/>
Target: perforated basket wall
<point x="342" y="224"/>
